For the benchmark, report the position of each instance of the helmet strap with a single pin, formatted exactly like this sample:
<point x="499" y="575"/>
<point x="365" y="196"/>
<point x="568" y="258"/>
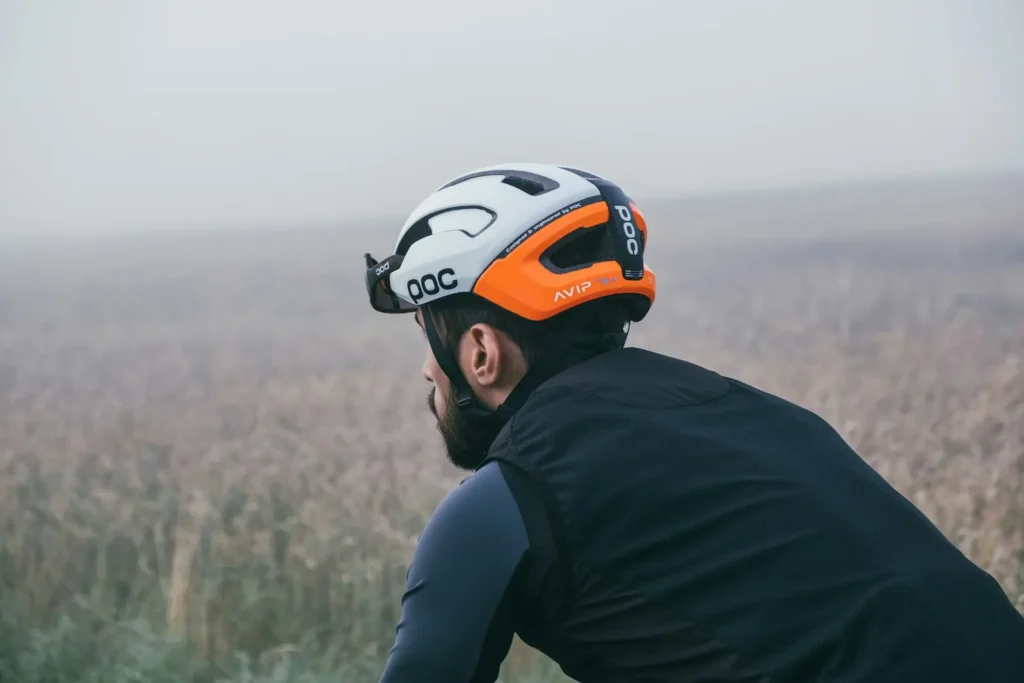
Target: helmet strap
<point x="448" y="360"/>
<point x="468" y="403"/>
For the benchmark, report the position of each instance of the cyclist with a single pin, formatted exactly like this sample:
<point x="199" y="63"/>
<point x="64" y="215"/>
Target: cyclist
<point x="633" y="516"/>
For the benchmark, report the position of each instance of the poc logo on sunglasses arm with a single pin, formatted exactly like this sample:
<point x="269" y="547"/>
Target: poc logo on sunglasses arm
<point x="431" y="284"/>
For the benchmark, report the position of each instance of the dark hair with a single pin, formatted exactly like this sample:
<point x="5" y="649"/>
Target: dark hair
<point x="606" y="331"/>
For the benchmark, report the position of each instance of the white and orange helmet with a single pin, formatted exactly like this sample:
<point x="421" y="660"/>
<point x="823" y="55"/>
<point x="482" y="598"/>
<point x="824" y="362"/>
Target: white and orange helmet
<point x="497" y="232"/>
<point x="534" y="239"/>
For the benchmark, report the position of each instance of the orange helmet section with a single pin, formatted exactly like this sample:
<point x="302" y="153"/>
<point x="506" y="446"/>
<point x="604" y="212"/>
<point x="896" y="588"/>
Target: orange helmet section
<point x="521" y="284"/>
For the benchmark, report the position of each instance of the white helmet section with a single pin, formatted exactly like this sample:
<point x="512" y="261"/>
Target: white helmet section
<point x="478" y="219"/>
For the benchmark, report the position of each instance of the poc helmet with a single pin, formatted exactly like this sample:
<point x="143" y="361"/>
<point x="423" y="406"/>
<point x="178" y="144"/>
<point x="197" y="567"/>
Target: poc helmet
<point x="502" y="233"/>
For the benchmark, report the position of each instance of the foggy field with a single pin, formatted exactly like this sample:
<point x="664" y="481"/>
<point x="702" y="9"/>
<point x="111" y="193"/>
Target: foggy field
<point x="213" y="433"/>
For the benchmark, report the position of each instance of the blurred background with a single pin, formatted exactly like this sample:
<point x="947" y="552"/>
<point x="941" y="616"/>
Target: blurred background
<point x="215" y="459"/>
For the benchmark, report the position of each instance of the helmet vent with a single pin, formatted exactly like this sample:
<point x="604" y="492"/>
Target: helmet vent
<point x="532" y="184"/>
<point x="579" y="249"/>
<point x="581" y="173"/>
<point x="415" y="233"/>
<point x="527" y="185"/>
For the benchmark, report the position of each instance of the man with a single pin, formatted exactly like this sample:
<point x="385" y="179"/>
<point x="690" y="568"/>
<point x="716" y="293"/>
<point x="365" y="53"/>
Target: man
<point x="633" y="516"/>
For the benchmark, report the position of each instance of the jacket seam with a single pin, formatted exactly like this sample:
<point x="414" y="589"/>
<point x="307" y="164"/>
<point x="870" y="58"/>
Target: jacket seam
<point x="576" y="390"/>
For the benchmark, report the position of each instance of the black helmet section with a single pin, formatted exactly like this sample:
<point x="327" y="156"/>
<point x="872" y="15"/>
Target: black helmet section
<point x="378" y="285"/>
<point x="627" y="240"/>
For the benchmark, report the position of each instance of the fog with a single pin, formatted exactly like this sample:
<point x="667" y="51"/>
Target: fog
<point x="131" y="116"/>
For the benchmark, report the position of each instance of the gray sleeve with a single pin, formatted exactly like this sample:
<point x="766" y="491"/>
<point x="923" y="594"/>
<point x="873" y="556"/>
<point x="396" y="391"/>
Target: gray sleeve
<point x="456" y="624"/>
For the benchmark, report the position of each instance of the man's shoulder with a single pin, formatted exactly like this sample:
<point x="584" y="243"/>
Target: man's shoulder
<point x="481" y="505"/>
<point x="473" y="491"/>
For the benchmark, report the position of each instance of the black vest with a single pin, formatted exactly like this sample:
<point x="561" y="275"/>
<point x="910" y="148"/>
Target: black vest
<point x="688" y="527"/>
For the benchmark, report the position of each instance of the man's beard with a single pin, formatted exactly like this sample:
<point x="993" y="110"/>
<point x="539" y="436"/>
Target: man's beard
<point x="466" y="440"/>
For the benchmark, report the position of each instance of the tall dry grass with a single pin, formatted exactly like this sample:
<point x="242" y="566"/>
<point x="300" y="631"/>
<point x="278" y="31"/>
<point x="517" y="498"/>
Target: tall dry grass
<point x="213" y="435"/>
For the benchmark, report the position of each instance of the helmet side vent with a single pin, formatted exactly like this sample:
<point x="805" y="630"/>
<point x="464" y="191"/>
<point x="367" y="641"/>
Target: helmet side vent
<point x="579" y="249"/>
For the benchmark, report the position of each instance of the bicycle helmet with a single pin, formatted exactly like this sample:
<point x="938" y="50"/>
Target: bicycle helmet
<point x="534" y="239"/>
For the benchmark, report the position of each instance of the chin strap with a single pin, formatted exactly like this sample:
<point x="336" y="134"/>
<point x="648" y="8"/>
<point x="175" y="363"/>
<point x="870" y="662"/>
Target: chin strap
<point x="557" y="351"/>
<point x="467" y="401"/>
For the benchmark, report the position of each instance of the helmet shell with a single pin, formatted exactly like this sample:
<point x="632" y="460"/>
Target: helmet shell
<point x="491" y="232"/>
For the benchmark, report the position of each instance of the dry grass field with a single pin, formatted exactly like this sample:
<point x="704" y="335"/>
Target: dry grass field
<point x="211" y="438"/>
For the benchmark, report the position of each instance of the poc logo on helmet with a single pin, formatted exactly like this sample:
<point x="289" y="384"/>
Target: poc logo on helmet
<point x="431" y="284"/>
<point x="627" y="227"/>
<point x="383" y="268"/>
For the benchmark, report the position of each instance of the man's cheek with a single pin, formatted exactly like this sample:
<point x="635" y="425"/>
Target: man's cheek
<point x="436" y="403"/>
<point x="440" y="404"/>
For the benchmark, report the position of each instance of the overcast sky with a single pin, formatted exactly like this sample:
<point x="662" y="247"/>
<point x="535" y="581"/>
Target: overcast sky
<point x="141" y="115"/>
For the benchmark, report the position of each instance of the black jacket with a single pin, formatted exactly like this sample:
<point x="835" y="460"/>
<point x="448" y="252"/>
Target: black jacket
<point x="645" y="519"/>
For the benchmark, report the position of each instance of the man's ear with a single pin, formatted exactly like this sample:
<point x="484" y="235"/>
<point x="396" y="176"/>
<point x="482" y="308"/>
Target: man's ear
<point x="484" y="355"/>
